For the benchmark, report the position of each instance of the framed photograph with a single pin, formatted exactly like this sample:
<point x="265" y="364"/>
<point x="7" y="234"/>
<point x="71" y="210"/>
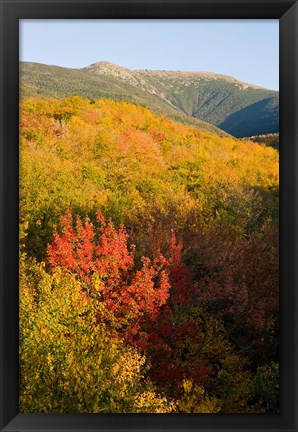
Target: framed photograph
<point x="149" y="215"/>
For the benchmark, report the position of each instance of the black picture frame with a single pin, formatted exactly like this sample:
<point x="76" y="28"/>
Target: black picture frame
<point x="287" y="13"/>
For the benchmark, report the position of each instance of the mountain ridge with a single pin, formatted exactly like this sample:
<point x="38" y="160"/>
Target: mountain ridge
<point x="235" y="107"/>
<point x="107" y="66"/>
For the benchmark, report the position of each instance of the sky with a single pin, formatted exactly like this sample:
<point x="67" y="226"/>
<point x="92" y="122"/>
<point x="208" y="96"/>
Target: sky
<point x="248" y="50"/>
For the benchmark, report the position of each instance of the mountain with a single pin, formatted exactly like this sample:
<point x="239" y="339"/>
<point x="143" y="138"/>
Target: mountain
<point x="58" y="82"/>
<point x="201" y="99"/>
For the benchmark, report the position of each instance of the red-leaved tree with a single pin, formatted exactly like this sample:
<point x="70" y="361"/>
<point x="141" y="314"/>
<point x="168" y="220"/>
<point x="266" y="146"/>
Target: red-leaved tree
<point x="101" y="260"/>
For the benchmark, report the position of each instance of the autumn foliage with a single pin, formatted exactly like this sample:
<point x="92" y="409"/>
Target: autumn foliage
<point x="106" y="261"/>
<point x="148" y="264"/>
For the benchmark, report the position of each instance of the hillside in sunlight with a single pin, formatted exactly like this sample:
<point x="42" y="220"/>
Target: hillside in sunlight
<point x="125" y="159"/>
<point x="149" y="263"/>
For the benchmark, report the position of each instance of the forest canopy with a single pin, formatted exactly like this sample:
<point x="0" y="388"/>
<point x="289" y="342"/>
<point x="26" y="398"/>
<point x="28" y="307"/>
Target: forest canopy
<point x="148" y="263"/>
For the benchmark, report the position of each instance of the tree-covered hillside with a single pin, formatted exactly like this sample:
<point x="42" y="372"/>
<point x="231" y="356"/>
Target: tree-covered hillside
<point x="149" y="263"/>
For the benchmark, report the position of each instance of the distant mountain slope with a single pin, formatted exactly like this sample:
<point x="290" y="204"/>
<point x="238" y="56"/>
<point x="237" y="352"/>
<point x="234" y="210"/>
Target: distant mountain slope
<point x="53" y="81"/>
<point x="264" y="115"/>
<point x="220" y="100"/>
<point x="238" y="108"/>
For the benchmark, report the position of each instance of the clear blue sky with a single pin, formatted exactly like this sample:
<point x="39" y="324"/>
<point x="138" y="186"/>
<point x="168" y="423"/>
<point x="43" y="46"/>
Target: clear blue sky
<point x="244" y="49"/>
